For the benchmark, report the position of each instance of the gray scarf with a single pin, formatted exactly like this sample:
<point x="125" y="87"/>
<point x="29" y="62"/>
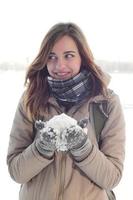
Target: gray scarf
<point x="72" y="90"/>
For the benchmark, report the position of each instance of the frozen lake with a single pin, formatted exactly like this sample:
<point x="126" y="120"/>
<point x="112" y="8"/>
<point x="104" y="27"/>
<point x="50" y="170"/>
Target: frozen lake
<point x="11" y="87"/>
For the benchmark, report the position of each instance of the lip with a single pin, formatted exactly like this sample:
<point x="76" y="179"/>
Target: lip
<point x="62" y="74"/>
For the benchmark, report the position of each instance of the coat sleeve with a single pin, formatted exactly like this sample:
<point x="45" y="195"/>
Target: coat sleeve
<point x="23" y="160"/>
<point x="104" y="166"/>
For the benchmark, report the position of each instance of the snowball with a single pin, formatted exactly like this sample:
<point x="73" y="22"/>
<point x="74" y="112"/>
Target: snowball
<point x="60" y="123"/>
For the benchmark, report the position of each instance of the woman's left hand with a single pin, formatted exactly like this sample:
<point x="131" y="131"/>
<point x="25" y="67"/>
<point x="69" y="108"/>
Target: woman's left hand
<point x="78" y="142"/>
<point x="75" y="137"/>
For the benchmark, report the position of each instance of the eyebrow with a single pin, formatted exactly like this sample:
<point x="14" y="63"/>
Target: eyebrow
<point x="66" y="52"/>
<point x="69" y="52"/>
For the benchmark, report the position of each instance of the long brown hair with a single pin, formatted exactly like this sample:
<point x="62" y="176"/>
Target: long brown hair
<point x="37" y="94"/>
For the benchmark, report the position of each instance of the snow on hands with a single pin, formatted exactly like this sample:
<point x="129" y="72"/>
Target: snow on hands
<point x="57" y="129"/>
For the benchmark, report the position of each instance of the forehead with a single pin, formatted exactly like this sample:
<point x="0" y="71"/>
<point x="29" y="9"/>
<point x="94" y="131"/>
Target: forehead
<point x="65" y="43"/>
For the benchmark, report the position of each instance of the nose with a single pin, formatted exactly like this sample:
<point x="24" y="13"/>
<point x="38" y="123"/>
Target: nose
<point x="61" y="64"/>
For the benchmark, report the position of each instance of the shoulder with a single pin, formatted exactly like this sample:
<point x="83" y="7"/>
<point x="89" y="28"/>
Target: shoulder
<point x="114" y="108"/>
<point x="21" y="109"/>
<point x="110" y="98"/>
<point x="108" y="102"/>
<point x="113" y="100"/>
<point x="20" y="105"/>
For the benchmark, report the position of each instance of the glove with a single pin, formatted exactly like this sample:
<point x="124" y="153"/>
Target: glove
<point x="83" y="122"/>
<point x="75" y="137"/>
<point x="46" y="142"/>
<point x="77" y="142"/>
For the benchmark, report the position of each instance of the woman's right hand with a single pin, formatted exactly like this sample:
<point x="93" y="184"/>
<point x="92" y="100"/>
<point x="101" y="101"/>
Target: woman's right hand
<point x="46" y="142"/>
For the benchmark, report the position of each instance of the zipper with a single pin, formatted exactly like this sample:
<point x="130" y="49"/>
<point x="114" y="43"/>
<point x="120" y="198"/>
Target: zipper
<point x="61" y="175"/>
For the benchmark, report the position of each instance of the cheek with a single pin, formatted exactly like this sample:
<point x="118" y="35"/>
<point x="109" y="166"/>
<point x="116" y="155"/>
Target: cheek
<point x="77" y="67"/>
<point x="77" y="70"/>
<point x="49" y="68"/>
<point x="78" y="64"/>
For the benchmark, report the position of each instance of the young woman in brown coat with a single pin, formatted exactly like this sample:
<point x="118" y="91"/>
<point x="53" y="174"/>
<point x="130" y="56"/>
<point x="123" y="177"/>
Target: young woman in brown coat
<point x="53" y="150"/>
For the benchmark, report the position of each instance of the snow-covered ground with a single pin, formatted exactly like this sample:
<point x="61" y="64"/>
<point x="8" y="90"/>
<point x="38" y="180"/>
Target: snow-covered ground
<point x="11" y="88"/>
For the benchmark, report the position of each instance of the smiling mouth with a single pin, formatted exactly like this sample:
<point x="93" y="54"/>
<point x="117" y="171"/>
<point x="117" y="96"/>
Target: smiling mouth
<point x="62" y="75"/>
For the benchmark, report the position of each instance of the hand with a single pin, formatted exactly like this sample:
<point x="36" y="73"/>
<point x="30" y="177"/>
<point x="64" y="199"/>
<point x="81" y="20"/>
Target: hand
<point x="46" y="143"/>
<point x="83" y="122"/>
<point x="48" y="139"/>
<point x="78" y="142"/>
<point x="39" y="124"/>
<point x="75" y="136"/>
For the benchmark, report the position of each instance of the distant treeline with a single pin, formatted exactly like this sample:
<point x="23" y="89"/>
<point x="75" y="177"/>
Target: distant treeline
<point x="115" y="66"/>
<point x="109" y="66"/>
<point x="12" y="66"/>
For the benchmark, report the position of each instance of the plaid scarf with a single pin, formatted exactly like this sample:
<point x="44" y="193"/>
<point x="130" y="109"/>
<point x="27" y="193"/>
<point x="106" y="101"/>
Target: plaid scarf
<point x="72" y="90"/>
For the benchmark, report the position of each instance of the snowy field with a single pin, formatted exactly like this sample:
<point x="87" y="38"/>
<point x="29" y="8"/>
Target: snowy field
<point x="11" y="87"/>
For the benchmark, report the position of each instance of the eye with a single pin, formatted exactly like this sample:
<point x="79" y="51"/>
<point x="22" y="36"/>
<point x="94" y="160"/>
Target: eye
<point x="69" y="55"/>
<point x="52" y="57"/>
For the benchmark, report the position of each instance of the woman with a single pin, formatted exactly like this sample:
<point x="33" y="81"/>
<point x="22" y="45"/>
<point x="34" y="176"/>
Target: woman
<point x="64" y="78"/>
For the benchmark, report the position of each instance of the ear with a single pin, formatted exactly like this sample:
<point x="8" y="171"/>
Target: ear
<point x="39" y="124"/>
<point x="83" y="122"/>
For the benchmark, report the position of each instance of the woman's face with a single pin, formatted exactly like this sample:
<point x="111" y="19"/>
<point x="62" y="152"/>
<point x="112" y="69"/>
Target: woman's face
<point x="64" y="60"/>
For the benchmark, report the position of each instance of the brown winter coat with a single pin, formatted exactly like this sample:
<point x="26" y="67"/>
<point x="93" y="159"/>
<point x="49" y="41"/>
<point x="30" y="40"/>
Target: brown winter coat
<point x="61" y="178"/>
